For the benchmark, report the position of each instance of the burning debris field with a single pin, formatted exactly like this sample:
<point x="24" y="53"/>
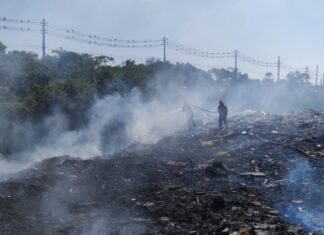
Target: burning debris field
<point x="262" y="175"/>
<point x="142" y="117"/>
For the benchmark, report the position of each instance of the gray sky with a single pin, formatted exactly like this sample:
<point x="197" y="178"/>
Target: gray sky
<point x="263" y="29"/>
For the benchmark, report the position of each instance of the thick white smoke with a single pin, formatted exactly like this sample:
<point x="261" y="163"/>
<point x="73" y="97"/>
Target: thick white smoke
<point x="117" y="121"/>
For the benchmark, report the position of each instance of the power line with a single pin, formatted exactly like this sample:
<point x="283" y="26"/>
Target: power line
<point x="93" y="39"/>
<point x="99" y="43"/>
<point x="253" y="61"/>
<point x="13" y="28"/>
<point x="76" y="33"/>
<point x="17" y="21"/>
<point x="195" y="52"/>
<point x="290" y="68"/>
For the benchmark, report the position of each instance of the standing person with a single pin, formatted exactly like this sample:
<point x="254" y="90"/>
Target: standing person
<point x="222" y="110"/>
<point x="190" y="122"/>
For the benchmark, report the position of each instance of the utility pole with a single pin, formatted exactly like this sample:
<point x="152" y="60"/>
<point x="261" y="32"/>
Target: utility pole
<point x="316" y="75"/>
<point x="278" y="74"/>
<point x="164" y="47"/>
<point x="235" y="63"/>
<point x="306" y="74"/>
<point x="43" y="33"/>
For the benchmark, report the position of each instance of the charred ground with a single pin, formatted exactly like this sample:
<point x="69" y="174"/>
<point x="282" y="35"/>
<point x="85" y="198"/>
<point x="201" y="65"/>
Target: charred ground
<point x="201" y="182"/>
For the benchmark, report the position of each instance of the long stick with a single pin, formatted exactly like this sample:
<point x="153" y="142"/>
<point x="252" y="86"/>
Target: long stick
<point x="299" y="150"/>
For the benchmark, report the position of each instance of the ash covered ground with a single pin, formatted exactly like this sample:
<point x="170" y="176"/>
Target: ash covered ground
<point x="263" y="175"/>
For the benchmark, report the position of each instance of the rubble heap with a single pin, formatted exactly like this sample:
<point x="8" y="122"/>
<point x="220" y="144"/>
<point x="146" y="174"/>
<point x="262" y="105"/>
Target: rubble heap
<point x="201" y="182"/>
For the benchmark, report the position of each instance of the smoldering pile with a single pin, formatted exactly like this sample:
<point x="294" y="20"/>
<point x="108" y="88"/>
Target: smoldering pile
<point x="235" y="182"/>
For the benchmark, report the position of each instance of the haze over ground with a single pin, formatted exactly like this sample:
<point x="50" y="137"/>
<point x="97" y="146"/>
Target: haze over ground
<point x="87" y="147"/>
<point x="261" y="29"/>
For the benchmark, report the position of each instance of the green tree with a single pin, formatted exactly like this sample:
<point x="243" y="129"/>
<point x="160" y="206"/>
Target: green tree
<point x="268" y="79"/>
<point x="298" y="78"/>
<point x="2" y="48"/>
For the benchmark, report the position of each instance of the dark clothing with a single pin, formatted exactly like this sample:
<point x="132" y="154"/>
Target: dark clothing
<point x="222" y="110"/>
<point x="221" y="121"/>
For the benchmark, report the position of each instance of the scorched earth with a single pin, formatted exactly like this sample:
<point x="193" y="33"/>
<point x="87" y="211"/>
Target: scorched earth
<point x="263" y="175"/>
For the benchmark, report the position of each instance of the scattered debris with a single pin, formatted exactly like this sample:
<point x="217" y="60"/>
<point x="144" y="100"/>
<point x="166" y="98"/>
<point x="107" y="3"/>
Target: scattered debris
<point x="192" y="187"/>
<point x="257" y="174"/>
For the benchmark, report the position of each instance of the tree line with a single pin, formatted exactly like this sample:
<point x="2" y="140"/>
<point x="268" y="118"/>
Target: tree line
<point x="32" y="88"/>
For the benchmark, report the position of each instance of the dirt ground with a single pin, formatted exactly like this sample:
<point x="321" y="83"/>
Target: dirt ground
<point x="238" y="181"/>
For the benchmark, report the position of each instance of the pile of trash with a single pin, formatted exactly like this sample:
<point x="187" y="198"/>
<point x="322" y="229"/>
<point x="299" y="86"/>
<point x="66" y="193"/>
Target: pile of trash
<point x="244" y="180"/>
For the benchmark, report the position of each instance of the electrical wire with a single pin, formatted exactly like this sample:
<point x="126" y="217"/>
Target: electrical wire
<point x="72" y="32"/>
<point x="12" y="28"/>
<point x="93" y="39"/>
<point x="17" y="21"/>
<point x="195" y="52"/>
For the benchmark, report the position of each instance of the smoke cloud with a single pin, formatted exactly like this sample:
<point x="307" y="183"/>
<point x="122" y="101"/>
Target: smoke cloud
<point x="146" y="116"/>
<point x="300" y="201"/>
<point x="117" y="121"/>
